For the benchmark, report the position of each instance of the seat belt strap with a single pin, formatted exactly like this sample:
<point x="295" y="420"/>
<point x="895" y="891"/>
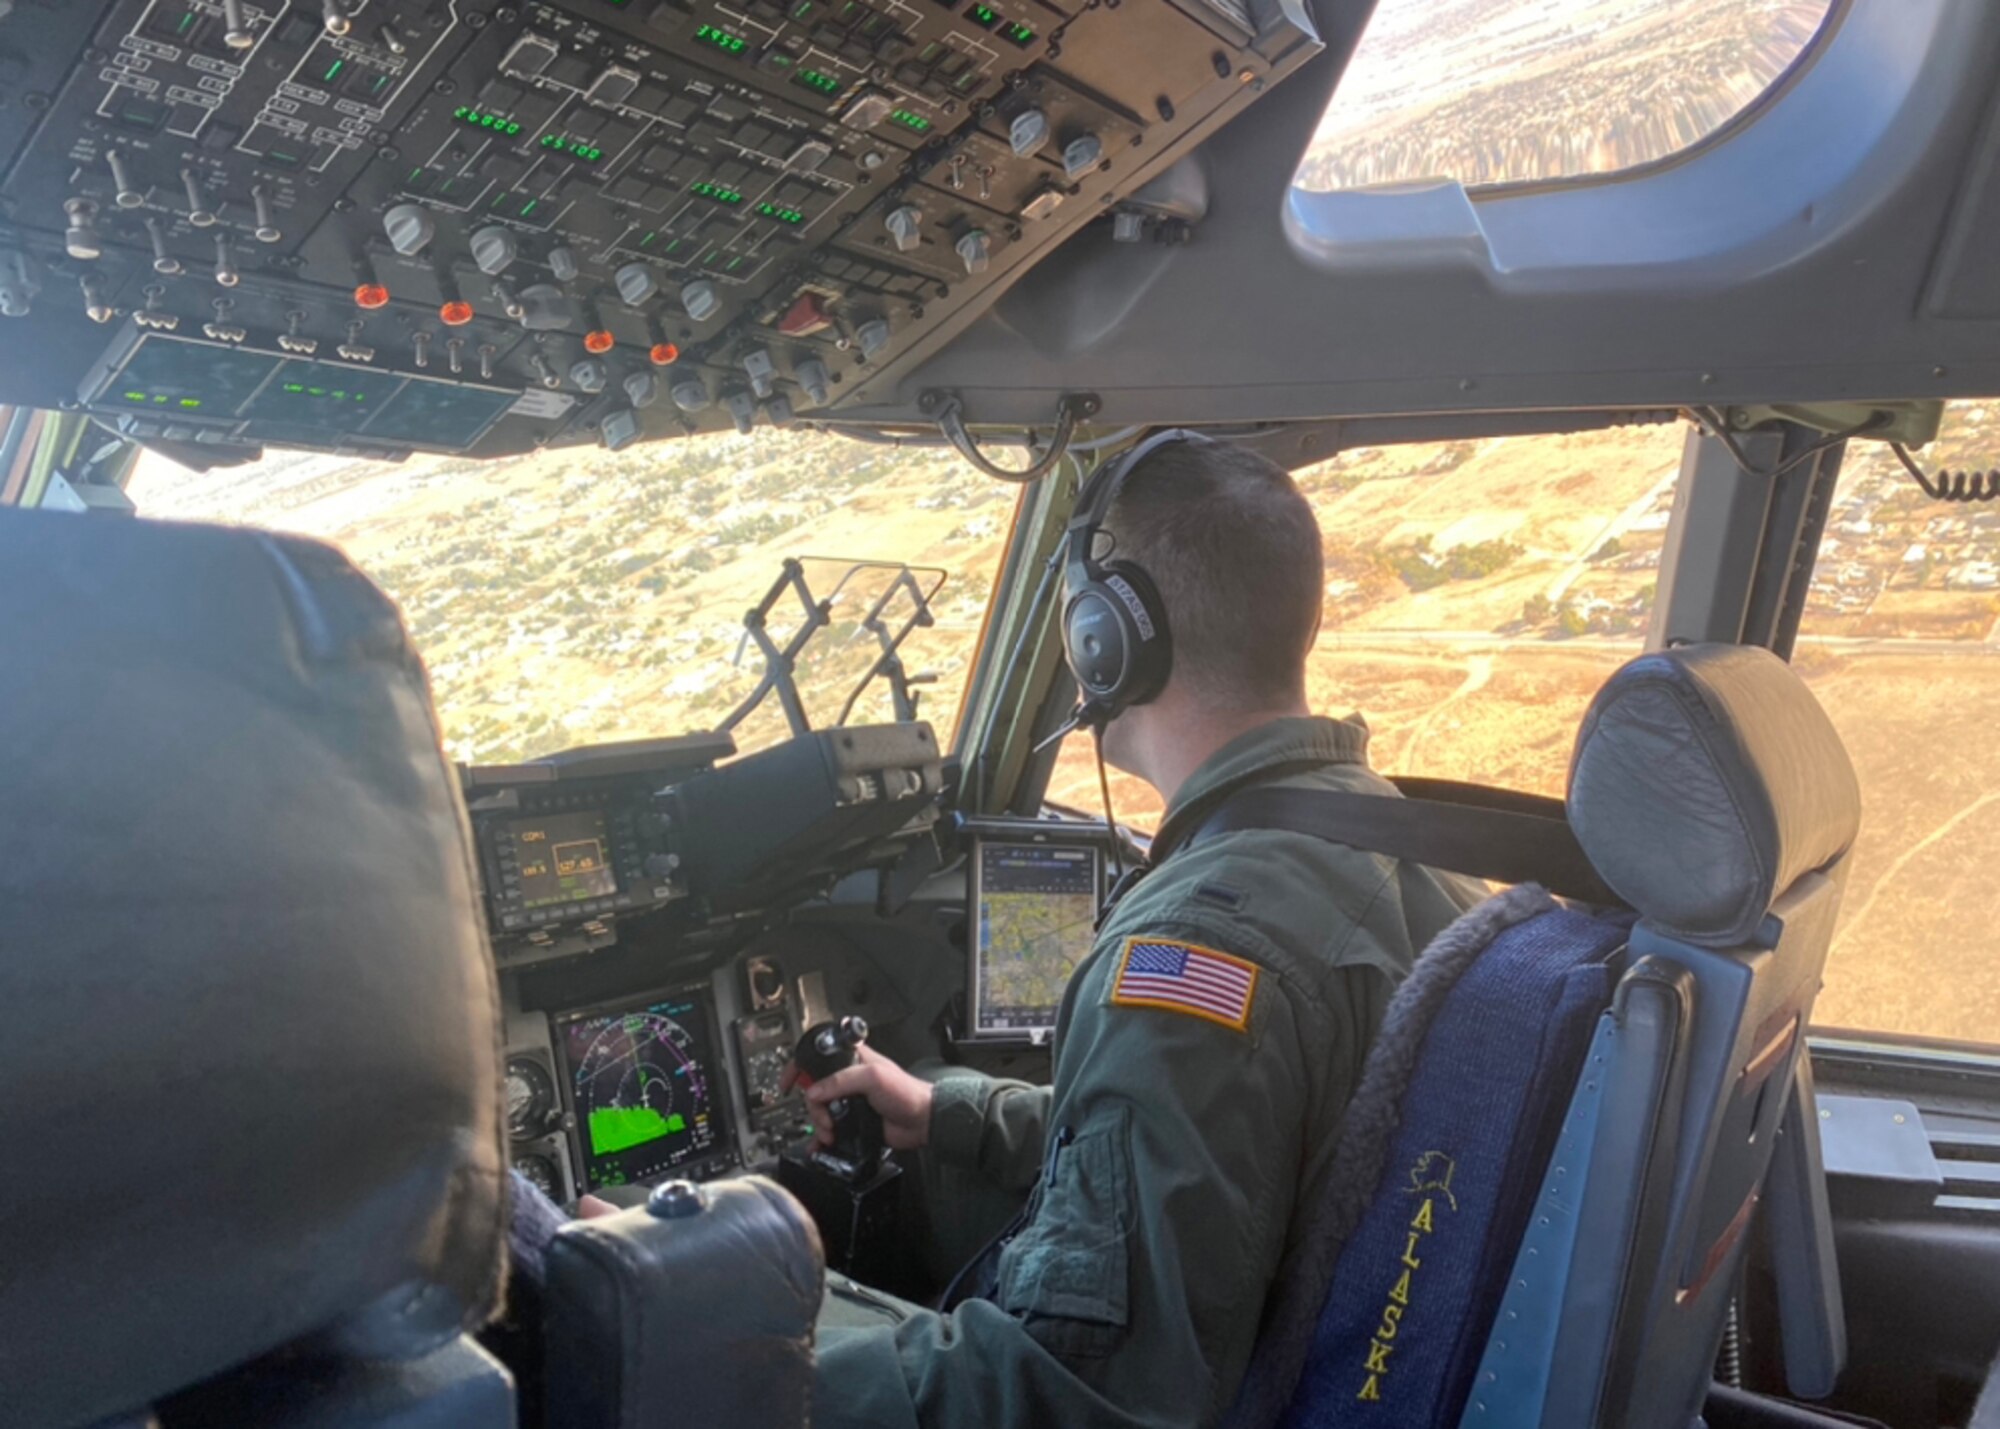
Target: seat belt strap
<point x="1494" y="834"/>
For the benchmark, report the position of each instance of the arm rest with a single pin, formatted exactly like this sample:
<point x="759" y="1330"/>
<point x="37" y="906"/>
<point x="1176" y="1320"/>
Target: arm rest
<point x="696" y="1309"/>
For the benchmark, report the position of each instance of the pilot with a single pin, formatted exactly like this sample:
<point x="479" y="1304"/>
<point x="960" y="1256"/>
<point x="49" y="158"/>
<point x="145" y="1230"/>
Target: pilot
<point x="1206" y="1048"/>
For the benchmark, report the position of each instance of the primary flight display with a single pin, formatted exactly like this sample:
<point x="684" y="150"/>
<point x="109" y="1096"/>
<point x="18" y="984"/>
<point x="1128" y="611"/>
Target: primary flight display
<point x="642" y="1087"/>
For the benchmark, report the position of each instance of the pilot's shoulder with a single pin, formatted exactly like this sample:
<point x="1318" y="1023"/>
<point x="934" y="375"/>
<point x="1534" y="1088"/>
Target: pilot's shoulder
<point x="1296" y="898"/>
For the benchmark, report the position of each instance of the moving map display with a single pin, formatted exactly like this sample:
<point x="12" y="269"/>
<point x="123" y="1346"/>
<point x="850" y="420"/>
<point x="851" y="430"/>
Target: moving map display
<point x="1037" y="911"/>
<point x="564" y="858"/>
<point x="642" y="1087"/>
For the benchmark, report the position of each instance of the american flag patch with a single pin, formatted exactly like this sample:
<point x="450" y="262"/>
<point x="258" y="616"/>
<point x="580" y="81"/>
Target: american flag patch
<point x="1183" y="978"/>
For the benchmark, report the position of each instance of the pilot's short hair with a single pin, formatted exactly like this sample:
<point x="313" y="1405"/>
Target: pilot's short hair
<point x="1234" y="548"/>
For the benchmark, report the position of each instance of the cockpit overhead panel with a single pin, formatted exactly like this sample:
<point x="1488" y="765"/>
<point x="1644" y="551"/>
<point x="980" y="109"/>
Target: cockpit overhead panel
<point x="492" y="225"/>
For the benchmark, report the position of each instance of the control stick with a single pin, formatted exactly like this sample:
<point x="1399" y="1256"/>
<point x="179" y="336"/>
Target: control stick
<point x="858" y="1139"/>
<point x="852" y="1188"/>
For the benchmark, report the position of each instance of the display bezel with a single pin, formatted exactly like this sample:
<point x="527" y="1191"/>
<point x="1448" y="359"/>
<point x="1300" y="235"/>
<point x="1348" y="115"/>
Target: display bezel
<point x="720" y="1092"/>
<point x="1091" y="839"/>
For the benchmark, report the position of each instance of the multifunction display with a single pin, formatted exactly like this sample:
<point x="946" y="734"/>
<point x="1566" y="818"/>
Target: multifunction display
<point x="1037" y="910"/>
<point x="562" y="858"/>
<point x="642" y="1084"/>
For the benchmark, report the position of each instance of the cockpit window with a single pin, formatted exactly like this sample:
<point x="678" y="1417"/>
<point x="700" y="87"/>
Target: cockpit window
<point x="1529" y="91"/>
<point x="1478" y="593"/>
<point x="576" y="596"/>
<point x="1901" y="643"/>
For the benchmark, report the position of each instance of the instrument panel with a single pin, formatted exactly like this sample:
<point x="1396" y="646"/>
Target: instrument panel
<point x="385" y="226"/>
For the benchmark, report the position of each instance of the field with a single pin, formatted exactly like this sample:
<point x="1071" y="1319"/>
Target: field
<point x="1478" y="594"/>
<point x="1500" y="91"/>
<point x="576" y="597"/>
<point x="1455" y="682"/>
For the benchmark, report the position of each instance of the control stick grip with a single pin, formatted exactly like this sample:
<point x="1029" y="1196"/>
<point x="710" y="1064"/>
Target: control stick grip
<point x="829" y="1047"/>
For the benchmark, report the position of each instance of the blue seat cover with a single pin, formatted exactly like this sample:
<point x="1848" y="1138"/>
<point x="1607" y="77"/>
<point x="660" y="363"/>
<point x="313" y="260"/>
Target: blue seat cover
<point x="1418" y="1283"/>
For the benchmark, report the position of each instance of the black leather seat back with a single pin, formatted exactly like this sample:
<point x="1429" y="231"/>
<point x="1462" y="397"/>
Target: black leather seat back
<point x="248" y="1022"/>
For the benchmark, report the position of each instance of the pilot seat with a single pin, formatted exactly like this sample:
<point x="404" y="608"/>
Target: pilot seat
<point x="1571" y="1119"/>
<point x="252" y="1160"/>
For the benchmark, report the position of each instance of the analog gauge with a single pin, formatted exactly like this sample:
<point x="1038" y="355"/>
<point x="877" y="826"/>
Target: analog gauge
<point x="542" y="1172"/>
<point x="767" y="984"/>
<point x="530" y="1095"/>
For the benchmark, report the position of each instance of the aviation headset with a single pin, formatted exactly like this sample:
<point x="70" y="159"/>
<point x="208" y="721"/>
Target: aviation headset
<point x="1115" y="633"/>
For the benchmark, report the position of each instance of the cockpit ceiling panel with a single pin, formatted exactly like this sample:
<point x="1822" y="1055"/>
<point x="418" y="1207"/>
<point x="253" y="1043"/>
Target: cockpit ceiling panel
<point x="1833" y="244"/>
<point x="395" y="225"/>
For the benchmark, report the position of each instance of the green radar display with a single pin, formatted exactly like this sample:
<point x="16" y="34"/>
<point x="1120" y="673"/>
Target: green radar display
<point x="642" y="1087"/>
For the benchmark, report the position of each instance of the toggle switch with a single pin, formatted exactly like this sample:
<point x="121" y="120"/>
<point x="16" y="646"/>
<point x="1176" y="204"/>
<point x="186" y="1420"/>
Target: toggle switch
<point x="80" y="238"/>
<point x="199" y="213"/>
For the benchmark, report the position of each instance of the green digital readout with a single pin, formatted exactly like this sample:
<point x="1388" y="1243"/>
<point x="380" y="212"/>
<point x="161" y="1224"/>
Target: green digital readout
<point x="983" y="16"/>
<point x="323" y="394"/>
<point x="481" y="119"/>
<point x="783" y="215"/>
<point x="722" y="40"/>
<point x="161" y="399"/>
<point x="915" y="123"/>
<point x="716" y="193"/>
<point x="812" y="79"/>
<point x="1018" y="34"/>
<point x="572" y="148"/>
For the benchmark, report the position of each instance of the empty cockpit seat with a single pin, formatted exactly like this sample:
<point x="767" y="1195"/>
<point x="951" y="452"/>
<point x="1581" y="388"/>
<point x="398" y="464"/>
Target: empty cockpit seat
<point x="1567" y="1122"/>
<point x="248" y="1030"/>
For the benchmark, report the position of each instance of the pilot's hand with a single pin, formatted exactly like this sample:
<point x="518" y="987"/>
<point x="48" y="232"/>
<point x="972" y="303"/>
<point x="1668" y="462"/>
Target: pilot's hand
<point x="903" y="1101"/>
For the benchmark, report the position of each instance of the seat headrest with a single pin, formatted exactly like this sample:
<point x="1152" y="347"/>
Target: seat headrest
<point x="1706" y="781"/>
<point x="248" y="1023"/>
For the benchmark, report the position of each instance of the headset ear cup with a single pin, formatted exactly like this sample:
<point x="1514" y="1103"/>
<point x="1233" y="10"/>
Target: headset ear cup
<point x="1149" y="642"/>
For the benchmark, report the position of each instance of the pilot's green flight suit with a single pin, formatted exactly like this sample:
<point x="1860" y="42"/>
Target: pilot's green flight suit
<point x="1190" y="1124"/>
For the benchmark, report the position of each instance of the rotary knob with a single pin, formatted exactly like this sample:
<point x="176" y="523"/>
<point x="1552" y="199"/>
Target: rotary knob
<point x="700" y="300"/>
<point x="1082" y="154"/>
<point x="563" y="263"/>
<point x="619" y="429"/>
<point x="642" y="388"/>
<point x="903" y="224"/>
<point x="1028" y="132"/>
<point x="690" y="394"/>
<point x="494" y="250"/>
<point x="975" y="251"/>
<point x="813" y="379"/>
<point x="410" y="228"/>
<point x="590" y="375"/>
<point x="636" y="283"/>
